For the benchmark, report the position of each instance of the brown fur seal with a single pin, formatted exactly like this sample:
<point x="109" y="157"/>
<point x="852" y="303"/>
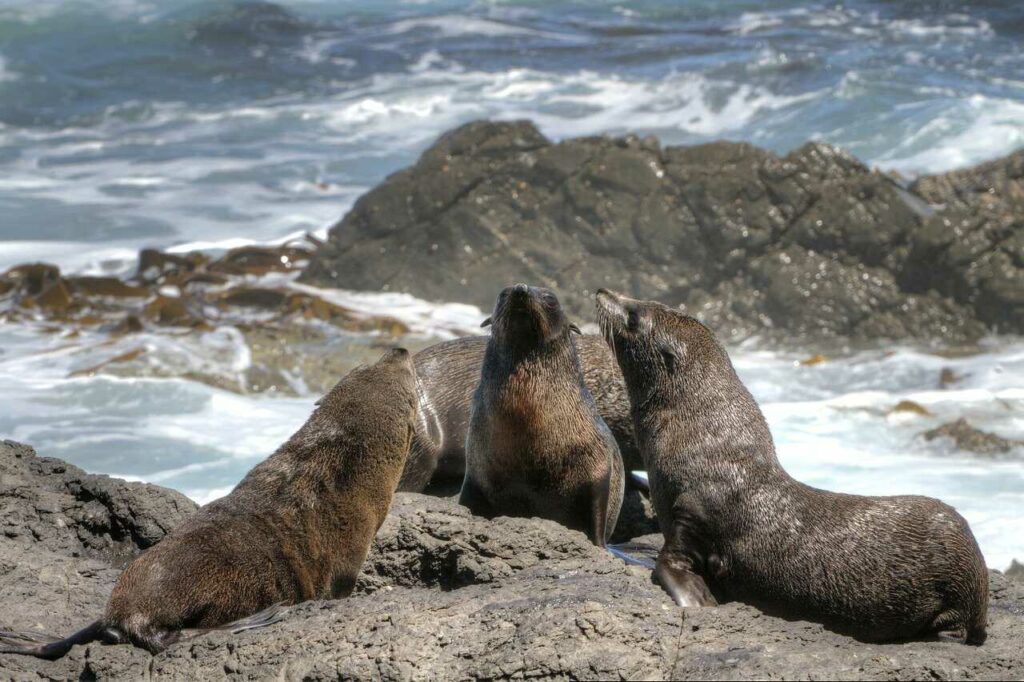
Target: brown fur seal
<point x="297" y="527"/>
<point x="447" y="374"/>
<point x="536" y="444"/>
<point x="876" y="568"/>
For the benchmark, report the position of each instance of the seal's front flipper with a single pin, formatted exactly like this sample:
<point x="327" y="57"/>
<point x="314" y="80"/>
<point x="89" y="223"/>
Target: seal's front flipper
<point x="599" y="530"/>
<point x="472" y="497"/>
<point x="684" y="586"/>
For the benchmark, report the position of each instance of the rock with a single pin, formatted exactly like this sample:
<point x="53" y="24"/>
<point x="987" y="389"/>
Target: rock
<point x="105" y="286"/>
<point x="816" y="359"/>
<point x="806" y="246"/>
<point x="32" y="278"/>
<point x="170" y="311"/>
<point x="1015" y="572"/>
<point x="447" y="595"/>
<point x="54" y="299"/>
<point x="259" y="260"/>
<point x="253" y="297"/>
<point x="157" y="266"/>
<point x="52" y="505"/>
<point x="911" y="407"/>
<point x="967" y="437"/>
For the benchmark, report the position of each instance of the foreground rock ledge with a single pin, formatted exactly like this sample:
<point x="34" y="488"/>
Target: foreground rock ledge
<point x="443" y="595"/>
<point x="801" y="247"/>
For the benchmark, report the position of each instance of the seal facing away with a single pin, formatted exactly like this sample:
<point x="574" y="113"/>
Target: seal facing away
<point x="297" y="527"/>
<point x="537" y="445"/>
<point x="876" y="568"/>
<point x="447" y="374"/>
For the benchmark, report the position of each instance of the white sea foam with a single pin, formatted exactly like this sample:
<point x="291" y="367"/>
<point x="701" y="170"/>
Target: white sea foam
<point x="6" y="75"/>
<point x="453" y="26"/>
<point x="439" y="320"/>
<point x="972" y="130"/>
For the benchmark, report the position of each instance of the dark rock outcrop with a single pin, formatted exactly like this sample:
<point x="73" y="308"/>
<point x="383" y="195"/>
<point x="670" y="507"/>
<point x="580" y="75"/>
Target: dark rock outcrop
<point x="972" y="439"/>
<point x="812" y="244"/>
<point x="46" y="503"/>
<point x="447" y="595"/>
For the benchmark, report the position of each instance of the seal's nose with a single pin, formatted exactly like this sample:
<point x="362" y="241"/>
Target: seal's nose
<point x="521" y="288"/>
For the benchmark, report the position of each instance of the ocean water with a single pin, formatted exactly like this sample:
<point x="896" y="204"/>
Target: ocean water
<point x="201" y="124"/>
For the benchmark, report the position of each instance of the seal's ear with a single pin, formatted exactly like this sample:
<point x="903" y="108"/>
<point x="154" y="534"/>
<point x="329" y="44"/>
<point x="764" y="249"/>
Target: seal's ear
<point x="574" y="329"/>
<point x="670" y="356"/>
<point x="486" y="323"/>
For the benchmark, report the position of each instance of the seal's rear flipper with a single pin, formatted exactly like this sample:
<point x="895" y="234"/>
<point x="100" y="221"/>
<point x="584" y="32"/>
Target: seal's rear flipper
<point x="260" y="619"/>
<point x="46" y="646"/>
<point x="620" y="552"/>
<point x="640" y="481"/>
<point x="684" y="586"/>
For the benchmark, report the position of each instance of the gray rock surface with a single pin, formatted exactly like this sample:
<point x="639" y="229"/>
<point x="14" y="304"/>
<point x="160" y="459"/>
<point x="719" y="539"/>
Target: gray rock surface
<point x="46" y="503"/>
<point x="809" y="245"/>
<point x="445" y="595"/>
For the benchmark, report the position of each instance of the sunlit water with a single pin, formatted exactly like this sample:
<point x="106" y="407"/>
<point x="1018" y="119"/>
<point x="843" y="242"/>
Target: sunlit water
<point x="195" y="124"/>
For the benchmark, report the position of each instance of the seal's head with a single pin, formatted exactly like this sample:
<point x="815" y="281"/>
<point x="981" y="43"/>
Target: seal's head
<point x="391" y="382"/>
<point x="661" y="351"/>
<point x="529" y="317"/>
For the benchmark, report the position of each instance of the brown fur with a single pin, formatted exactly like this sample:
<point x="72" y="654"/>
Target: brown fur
<point x="447" y="374"/>
<point x="537" y="445"/>
<point x="877" y="568"/>
<point x="297" y="527"/>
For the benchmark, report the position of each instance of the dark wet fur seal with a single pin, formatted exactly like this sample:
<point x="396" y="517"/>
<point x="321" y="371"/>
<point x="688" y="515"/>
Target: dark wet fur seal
<point x="297" y="527"/>
<point x="536" y="444"/>
<point x="876" y="568"/>
<point x="447" y="374"/>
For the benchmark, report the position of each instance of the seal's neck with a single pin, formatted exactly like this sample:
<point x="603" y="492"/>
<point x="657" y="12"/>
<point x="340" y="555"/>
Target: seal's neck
<point x="710" y="421"/>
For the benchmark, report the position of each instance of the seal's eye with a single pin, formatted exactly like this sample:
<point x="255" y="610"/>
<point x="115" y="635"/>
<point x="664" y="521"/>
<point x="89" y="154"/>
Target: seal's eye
<point x="549" y="299"/>
<point x="633" y="319"/>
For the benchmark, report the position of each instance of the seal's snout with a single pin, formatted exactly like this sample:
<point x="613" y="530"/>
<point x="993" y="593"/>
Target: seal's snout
<point x="397" y="356"/>
<point x="519" y="293"/>
<point x="610" y="306"/>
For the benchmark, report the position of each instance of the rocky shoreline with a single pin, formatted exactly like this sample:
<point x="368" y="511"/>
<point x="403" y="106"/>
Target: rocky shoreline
<point x="442" y="595"/>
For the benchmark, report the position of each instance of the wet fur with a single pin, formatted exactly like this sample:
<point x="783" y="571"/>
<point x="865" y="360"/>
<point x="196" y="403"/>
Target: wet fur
<point x="297" y="527"/>
<point x="536" y="443"/>
<point x="877" y="568"/>
<point x="447" y="374"/>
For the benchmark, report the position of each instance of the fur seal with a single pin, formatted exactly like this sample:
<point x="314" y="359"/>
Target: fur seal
<point x="297" y="527"/>
<point x="447" y="374"/>
<point x="876" y="568"/>
<point x="536" y="444"/>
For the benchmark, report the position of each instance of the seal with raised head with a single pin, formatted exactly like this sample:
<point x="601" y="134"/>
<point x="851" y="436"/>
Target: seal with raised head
<point x="537" y="445"/>
<point x="447" y="375"/>
<point x="297" y="527"/>
<point x="876" y="568"/>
